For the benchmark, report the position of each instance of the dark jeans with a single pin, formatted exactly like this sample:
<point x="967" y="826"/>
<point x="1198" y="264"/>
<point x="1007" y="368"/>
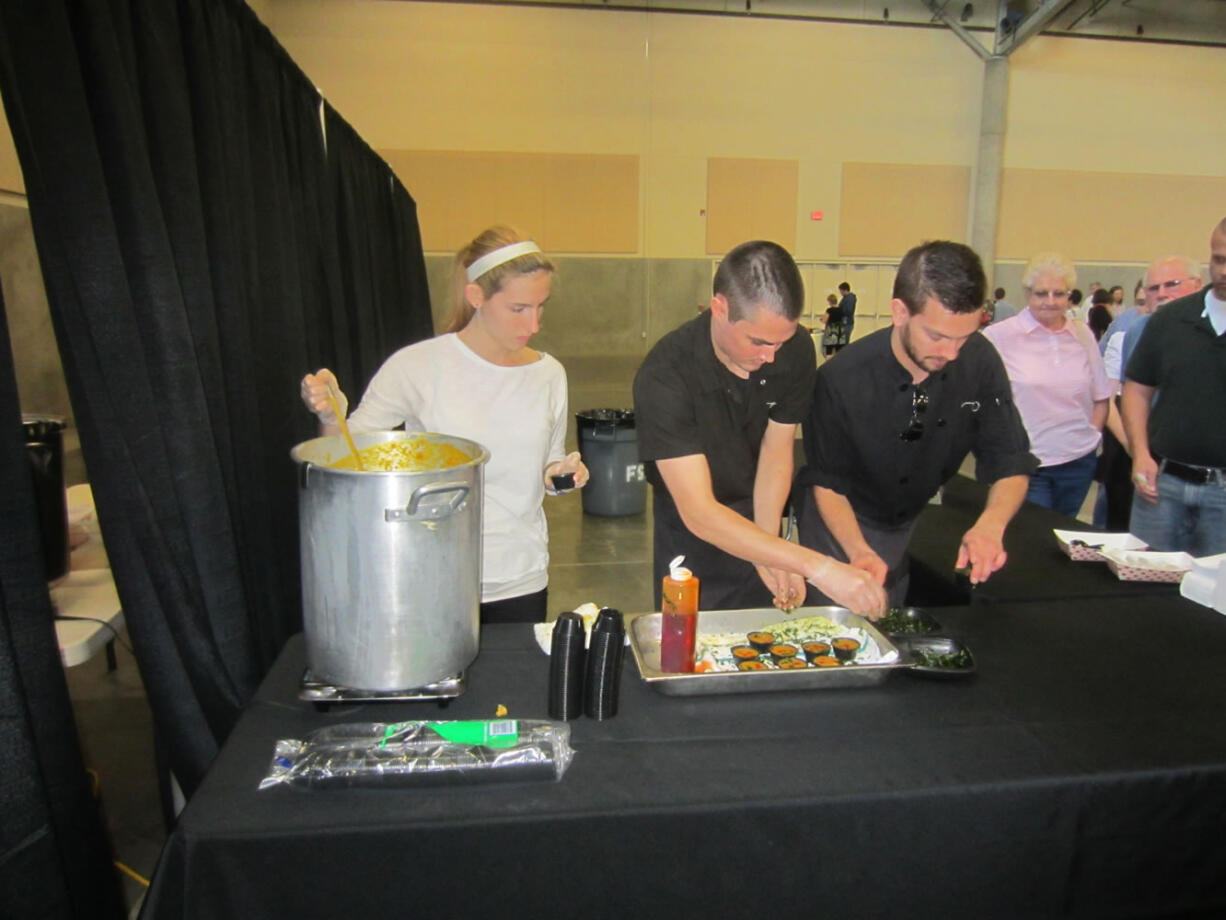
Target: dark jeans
<point x="1063" y="486"/>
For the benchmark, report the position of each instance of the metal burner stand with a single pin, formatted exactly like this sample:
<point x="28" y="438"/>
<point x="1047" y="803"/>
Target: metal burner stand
<point x="322" y="694"/>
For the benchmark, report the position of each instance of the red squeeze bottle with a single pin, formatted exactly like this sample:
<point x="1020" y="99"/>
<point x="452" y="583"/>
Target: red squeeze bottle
<point x="679" y="603"/>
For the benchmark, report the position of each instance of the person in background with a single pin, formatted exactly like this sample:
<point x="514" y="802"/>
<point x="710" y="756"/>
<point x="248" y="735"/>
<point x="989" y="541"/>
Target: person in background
<point x="833" y="336"/>
<point x="1074" y="304"/>
<point x="895" y="414"/>
<point x="1179" y="442"/>
<point x="1117" y="300"/>
<point x="847" y="303"/>
<point x="1113" y="504"/>
<point x="1058" y="383"/>
<point x="480" y="380"/>
<point x="1003" y="309"/>
<point x="716" y="404"/>
<point x="1099" y="317"/>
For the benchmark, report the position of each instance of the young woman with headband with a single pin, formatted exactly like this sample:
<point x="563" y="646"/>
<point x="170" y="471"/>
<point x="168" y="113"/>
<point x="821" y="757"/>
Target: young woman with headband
<point x="479" y="380"/>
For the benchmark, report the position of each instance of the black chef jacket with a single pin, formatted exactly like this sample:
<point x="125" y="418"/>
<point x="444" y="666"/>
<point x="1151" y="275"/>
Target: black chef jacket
<point x="686" y="402"/>
<point x="863" y="401"/>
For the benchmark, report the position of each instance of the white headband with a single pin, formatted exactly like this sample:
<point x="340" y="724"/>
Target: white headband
<point x="499" y="256"/>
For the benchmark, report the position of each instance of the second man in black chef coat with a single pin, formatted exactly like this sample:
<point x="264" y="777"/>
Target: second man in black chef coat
<point x="716" y="403"/>
<point x="894" y="415"/>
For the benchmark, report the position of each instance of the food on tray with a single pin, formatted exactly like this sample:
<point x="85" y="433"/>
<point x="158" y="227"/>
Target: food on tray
<point x="762" y="641"/>
<point x="751" y="665"/>
<point x="412" y="455"/>
<point x="780" y="651"/>
<point x="815" y="649"/>
<point x="802" y="640"/>
<point x="845" y="648"/>
<point x="826" y="661"/>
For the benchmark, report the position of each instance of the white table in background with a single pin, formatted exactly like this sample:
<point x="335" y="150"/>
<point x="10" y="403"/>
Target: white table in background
<point x="88" y="590"/>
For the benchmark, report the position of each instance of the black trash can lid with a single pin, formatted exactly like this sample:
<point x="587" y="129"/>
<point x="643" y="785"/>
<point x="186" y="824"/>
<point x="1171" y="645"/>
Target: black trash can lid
<point x="615" y="418"/>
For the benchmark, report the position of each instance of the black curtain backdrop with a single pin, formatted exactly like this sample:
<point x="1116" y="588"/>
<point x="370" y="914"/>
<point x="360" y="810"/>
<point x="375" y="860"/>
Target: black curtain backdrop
<point x="55" y="860"/>
<point x="204" y="242"/>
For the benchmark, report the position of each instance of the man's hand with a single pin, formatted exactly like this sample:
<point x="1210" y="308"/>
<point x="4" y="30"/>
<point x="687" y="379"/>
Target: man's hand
<point x="787" y="588"/>
<point x="1145" y="476"/>
<point x="850" y="587"/>
<point x="983" y="552"/>
<point x="873" y="564"/>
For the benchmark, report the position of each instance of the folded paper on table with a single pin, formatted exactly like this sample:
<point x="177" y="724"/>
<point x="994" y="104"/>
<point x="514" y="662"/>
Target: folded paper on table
<point x="543" y="632"/>
<point x="1083" y="545"/>
<point x="1206" y="583"/>
<point x="1129" y="565"/>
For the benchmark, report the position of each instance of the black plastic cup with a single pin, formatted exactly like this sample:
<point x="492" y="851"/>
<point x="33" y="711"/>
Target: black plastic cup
<point x="606" y="652"/>
<point x="566" y="659"/>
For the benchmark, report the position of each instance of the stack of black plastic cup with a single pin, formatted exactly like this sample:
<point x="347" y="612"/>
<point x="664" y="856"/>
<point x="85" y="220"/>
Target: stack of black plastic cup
<point x="566" y="673"/>
<point x="604" y="665"/>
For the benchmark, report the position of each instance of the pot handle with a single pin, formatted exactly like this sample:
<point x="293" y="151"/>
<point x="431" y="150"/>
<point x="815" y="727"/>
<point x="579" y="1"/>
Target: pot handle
<point x="414" y="511"/>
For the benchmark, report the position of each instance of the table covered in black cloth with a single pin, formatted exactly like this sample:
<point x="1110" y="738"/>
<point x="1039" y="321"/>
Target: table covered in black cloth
<point x="1036" y="568"/>
<point x="1080" y="772"/>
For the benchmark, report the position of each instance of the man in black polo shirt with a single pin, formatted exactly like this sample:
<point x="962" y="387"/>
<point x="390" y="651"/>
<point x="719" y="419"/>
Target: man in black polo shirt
<point x="895" y="413"/>
<point x="716" y="406"/>
<point x="1179" y="442"/>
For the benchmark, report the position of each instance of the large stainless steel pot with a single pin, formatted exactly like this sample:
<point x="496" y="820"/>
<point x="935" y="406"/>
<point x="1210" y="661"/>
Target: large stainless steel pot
<point x="391" y="565"/>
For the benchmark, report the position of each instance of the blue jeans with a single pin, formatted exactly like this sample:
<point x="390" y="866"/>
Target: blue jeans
<point x="1188" y="518"/>
<point x="1063" y="486"/>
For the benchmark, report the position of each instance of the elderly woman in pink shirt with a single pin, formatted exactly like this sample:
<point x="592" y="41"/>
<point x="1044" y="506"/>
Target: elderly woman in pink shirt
<point x="1059" y="384"/>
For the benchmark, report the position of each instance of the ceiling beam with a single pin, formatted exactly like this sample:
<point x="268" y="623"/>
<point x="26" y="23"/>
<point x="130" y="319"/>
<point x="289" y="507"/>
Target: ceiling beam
<point x="1028" y="27"/>
<point x="938" y="13"/>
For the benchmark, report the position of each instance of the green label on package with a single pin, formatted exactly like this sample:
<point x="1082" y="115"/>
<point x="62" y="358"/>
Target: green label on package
<point x="495" y="733"/>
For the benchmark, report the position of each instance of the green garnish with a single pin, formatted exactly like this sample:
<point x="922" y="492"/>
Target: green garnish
<point x="959" y="660"/>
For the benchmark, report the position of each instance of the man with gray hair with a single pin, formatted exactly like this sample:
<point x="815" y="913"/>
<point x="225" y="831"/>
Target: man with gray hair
<point x="716" y="404"/>
<point x="1179" y="441"/>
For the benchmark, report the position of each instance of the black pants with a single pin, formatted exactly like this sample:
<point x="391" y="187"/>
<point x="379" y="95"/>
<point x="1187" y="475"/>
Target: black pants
<point x="527" y="608"/>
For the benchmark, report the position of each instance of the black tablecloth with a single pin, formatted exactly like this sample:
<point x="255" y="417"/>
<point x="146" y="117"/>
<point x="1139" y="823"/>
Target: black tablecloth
<point x="1036" y="568"/>
<point x="1080" y="772"/>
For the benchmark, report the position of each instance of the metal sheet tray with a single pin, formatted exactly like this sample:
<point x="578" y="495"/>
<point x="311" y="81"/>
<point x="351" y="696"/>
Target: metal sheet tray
<point x="644" y="633"/>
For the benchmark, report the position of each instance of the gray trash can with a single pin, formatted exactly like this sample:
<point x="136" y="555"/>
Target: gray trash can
<point x="610" y="449"/>
<point x="45" y="450"/>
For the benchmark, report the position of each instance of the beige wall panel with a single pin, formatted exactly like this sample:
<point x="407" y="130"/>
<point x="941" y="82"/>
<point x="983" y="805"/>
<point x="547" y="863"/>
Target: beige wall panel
<point x="676" y="89"/>
<point x="760" y="88"/>
<point x="567" y="203"/>
<point x="1139" y="217"/>
<point x="428" y="76"/>
<point x="751" y="200"/>
<point x="675" y="202"/>
<point x="888" y="208"/>
<point x="820" y="190"/>
<point x="592" y="204"/>
<point x="1100" y="106"/>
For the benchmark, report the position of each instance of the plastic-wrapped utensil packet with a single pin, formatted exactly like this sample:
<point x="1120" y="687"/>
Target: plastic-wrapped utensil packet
<point x="408" y="754"/>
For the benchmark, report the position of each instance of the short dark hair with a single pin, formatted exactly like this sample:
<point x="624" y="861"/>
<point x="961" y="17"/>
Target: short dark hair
<point x="999" y="293"/>
<point x="1102" y="295"/>
<point x="760" y="273"/>
<point x="845" y="288"/>
<point x="1074" y="296"/>
<point x="947" y="272"/>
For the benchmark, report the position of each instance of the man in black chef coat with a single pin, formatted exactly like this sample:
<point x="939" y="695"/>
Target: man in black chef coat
<point x="894" y="415"/>
<point x="716" y="404"/>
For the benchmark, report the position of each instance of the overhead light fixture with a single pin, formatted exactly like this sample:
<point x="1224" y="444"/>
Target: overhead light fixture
<point x="967" y="12"/>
